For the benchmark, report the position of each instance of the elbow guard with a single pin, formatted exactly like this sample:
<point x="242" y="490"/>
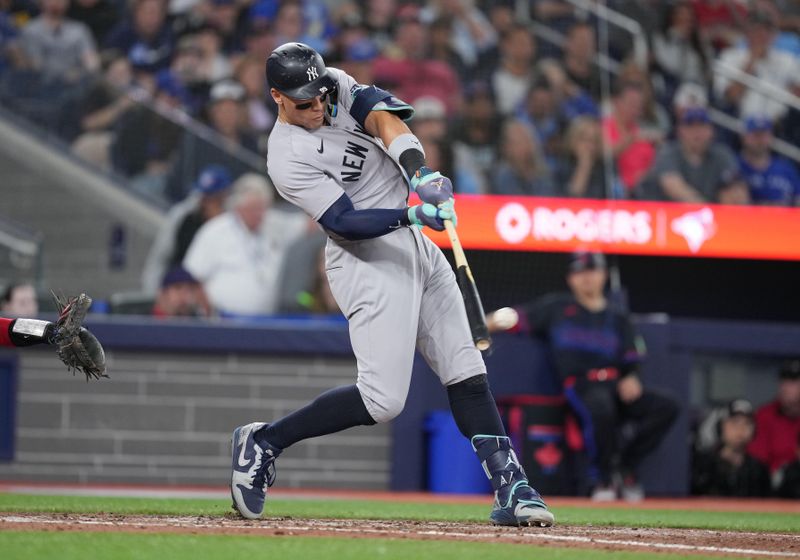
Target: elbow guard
<point x="371" y="98"/>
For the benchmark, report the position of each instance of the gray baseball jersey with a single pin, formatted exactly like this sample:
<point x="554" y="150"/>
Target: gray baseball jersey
<point x="397" y="291"/>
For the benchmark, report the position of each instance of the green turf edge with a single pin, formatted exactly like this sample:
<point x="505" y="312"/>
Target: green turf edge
<point x="35" y="545"/>
<point x="362" y="509"/>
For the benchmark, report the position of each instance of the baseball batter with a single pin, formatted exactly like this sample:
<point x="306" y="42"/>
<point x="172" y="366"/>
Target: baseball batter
<point x="341" y="152"/>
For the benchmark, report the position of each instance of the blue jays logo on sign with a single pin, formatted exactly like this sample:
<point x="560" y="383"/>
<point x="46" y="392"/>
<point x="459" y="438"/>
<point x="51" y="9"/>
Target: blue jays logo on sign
<point x="312" y="73"/>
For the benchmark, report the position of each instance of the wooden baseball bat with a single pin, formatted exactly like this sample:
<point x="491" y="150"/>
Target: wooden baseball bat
<point x="469" y="291"/>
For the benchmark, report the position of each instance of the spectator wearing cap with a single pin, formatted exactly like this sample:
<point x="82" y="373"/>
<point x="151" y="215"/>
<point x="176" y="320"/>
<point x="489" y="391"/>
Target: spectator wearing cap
<point x="772" y="180"/>
<point x="778" y="422"/>
<point x="405" y="70"/>
<point x="145" y="142"/>
<point x="597" y="354"/>
<point x="728" y="469"/>
<point x="205" y="201"/>
<point x="180" y="295"/>
<point x="688" y="95"/>
<point x="695" y="168"/>
<point x="146" y="38"/>
<point x="226" y="116"/>
<point x="238" y="255"/>
<point x="214" y="185"/>
<point x="60" y="50"/>
<point x="761" y="60"/>
<point x="225" y="113"/>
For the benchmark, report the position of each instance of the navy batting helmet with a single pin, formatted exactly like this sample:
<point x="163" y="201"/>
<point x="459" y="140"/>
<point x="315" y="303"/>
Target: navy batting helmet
<point x="297" y="70"/>
<point x="582" y="260"/>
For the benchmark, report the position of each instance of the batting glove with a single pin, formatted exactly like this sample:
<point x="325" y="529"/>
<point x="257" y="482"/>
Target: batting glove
<point x="429" y="215"/>
<point x="449" y="205"/>
<point x="431" y="186"/>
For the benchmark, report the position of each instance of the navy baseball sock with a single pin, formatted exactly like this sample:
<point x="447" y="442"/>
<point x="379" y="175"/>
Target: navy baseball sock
<point x="474" y="409"/>
<point x="332" y="411"/>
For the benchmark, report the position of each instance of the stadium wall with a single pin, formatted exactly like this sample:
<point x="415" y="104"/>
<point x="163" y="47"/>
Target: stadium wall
<point x="178" y="388"/>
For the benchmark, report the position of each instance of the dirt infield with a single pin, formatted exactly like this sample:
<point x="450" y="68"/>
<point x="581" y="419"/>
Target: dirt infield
<point x="682" y="541"/>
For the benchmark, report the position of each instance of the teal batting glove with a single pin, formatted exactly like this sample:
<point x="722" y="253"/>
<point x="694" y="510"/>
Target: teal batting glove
<point x="429" y="215"/>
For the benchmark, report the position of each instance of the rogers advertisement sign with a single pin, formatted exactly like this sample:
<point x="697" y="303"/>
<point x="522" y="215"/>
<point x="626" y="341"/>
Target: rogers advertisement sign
<point x="646" y="228"/>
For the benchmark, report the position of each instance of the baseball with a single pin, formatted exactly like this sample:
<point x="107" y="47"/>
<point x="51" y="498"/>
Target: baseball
<point x="505" y="318"/>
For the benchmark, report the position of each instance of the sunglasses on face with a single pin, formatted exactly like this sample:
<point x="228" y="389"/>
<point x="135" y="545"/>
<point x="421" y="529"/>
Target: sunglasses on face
<point x="307" y="104"/>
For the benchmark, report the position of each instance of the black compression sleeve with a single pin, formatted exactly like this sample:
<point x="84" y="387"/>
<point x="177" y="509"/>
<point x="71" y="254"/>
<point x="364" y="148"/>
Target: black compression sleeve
<point x="411" y="160"/>
<point x="342" y="219"/>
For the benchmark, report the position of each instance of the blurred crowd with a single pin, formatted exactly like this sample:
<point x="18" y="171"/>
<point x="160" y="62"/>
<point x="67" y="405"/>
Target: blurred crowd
<point x="743" y="452"/>
<point x="499" y="108"/>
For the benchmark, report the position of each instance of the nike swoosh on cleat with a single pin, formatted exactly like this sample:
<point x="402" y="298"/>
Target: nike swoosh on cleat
<point x="243" y="461"/>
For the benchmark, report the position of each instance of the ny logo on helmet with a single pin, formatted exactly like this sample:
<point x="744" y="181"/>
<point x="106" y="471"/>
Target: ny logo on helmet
<point x="312" y="73"/>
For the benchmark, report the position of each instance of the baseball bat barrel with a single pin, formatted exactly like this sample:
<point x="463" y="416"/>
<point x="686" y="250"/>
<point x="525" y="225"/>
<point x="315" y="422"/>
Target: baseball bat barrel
<point x="469" y="291"/>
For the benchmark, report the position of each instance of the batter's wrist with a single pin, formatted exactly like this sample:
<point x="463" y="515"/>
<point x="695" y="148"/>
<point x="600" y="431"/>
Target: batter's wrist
<point x="405" y="219"/>
<point x="407" y="151"/>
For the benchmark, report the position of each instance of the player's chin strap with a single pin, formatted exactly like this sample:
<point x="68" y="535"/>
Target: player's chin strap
<point x="498" y="460"/>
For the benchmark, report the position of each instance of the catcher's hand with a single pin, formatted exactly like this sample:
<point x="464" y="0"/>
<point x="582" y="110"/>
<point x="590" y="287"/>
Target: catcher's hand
<point x="76" y="346"/>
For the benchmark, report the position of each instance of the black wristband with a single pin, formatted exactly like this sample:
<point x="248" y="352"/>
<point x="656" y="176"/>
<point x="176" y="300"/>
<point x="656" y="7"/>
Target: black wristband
<point x="27" y="332"/>
<point x="404" y="219"/>
<point x="411" y="160"/>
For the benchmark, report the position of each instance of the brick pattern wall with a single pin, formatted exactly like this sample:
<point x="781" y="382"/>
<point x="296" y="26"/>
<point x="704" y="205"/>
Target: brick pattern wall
<point x="168" y="418"/>
<point x="76" y="231"/>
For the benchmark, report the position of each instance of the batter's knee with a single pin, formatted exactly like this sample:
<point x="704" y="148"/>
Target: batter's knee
<point x="385" y="409"/>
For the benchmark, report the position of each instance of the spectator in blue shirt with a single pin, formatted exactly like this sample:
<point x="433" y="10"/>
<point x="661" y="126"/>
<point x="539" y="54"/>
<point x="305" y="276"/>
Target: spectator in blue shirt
<point x="145" y="37"/>
<point x="772" y="180"/>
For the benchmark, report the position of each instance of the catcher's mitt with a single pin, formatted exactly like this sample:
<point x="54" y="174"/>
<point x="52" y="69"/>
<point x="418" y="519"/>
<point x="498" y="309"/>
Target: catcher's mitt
<point x="76" y="346"/>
